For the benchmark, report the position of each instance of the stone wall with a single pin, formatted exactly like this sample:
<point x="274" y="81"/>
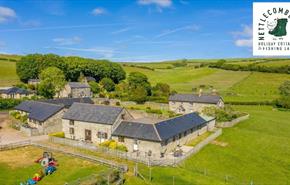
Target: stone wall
<point x="233" y="122"/>
<point x="80" y="92"/>
<point x="51" y="125"/>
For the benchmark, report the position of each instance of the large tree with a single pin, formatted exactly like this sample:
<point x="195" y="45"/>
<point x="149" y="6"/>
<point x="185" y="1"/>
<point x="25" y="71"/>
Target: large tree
<point x="137" y="79"/>
<point x="108" y="84"/>
<point x="52" y="82"/>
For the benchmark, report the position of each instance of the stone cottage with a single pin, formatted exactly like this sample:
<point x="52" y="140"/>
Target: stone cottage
<point x="187" y="103"/>
<point x="161" y="137"/>
<point x="44" y="117"/>
<point x="15" y="93"/>
<point x="75" y="90"/>
<point x="92" y="123"/>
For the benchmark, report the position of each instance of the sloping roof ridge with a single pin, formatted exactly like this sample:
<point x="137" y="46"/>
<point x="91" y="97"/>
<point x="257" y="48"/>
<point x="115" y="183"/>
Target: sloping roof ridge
<point x="157" y="132"/>
<point x="53" y="104"/>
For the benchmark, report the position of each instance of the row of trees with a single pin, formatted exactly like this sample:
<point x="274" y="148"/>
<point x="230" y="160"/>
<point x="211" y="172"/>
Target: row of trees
<point x="30" y="67"/>
<point x="221" y="64"/>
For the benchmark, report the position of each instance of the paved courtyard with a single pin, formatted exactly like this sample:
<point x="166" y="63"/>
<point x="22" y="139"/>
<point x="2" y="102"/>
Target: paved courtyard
<point x="10" y="135"/>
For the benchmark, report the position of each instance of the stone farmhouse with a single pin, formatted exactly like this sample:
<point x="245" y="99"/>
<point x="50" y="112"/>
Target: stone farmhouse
<point x="98" y="123"/>
<point x="75" y="90"/>
<point x="92" y="123"/>
<point x="45" y="115"/>
<point x="161" y="137"/>
<point x="187" y="103"/>
<point x="15" y="93"/>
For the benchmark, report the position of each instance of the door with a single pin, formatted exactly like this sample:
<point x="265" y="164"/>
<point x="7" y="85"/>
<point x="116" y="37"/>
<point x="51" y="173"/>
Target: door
<point x="135" y="145"/>
<point x="88" y="135"/>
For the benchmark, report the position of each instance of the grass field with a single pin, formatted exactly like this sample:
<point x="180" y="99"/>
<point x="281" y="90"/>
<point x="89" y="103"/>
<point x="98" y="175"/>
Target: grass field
<point x="233" y="85"/>
<point x="257" y="150"/>
<point x="18" y="165"/>
<point x="8" y="74"/>
<point x="257" y="87"/>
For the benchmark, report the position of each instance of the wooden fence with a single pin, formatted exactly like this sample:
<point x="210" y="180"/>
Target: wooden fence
<point x="109" y="163"/>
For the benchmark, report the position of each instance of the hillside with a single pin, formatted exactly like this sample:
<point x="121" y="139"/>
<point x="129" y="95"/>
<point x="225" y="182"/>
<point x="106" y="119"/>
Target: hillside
<point x="237" y="86"/>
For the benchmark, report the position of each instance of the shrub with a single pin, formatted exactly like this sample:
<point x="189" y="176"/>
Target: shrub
<point x="153" y="111"/>
<point x="57" y="134"/>
<point x="122" y="148"/>
<point x="112" y="144"/>
<point x="222" y="114"/>
<point x="8" y="103"/>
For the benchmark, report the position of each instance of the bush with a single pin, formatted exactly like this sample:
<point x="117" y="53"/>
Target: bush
<point x="112" y="144"/>
<point x="57" y="134"/>
<point x="153" y="111"/>
<point x="122" y="148"/>
<point x="222" y="114"/>
<point x="8" y="103"/>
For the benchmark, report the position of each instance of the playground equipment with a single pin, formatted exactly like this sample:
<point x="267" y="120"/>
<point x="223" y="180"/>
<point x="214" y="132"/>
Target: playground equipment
<point x="49" y="166"/>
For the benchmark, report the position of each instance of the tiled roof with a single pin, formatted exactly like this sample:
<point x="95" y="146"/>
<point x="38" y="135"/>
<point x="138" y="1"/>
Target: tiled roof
<point x="39" y="111"/>
<point x="78" y="85"/>
<point x="212" y="99"/>
<point x="67" y="102"/>
<point x="93" y="113"/>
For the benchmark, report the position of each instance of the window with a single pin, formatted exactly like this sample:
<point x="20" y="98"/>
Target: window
<point x="103" y="135"/>
<point x="71" y="122"/>
<point x="121" y="139"/>
<point x="71" y="130"/>
<point x="99" y="135"/>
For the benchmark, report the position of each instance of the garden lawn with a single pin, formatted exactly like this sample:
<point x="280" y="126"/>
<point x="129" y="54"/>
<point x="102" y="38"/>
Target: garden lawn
<point x="18" y="165"/>
<point x="257" y="150"/>
<point x="8" y="76"/>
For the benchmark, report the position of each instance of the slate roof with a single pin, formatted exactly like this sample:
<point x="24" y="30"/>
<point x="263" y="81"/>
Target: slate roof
<point x="162" y="130"/>
<point x="93" y="113"/>
<point x="89" y="78"/>
<point x="195" y="98"/>
<point x="137" y="130"/>
<point x="78" y="85"/>
<point x="171" y="127"/>
<point x="15" y="90"/>
<point x="39" y="111"/>
<point x="67" y="102"/>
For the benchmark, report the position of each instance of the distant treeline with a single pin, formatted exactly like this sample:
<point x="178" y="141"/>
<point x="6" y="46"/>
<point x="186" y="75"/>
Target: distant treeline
<point x="139" y="66"/>
<point x="30" y="66"/>
<point x="221" y="64"/>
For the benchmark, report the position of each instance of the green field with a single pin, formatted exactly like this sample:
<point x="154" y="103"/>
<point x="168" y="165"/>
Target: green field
<point x="233" y="85"/>
<point x="256" y="150"/>
<point x="8" y="74"/>
<point x="18" y="165"/>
